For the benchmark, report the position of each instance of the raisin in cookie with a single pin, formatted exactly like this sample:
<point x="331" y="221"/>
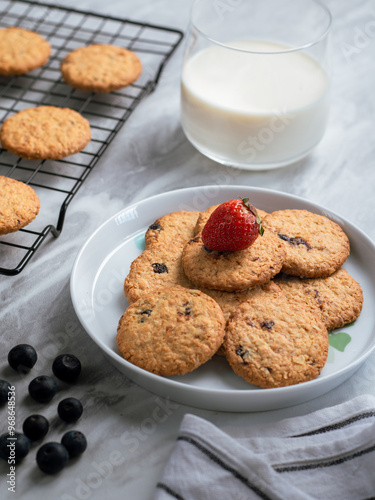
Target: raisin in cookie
<point x="173" y="228"/>
<point x="171" y="331"/>
<point x="337" y="299"/>
<point x="158" y="266"/>
<point x="273" y="342"/>
<point x="315" y="246"/>
<point x="233" y="271"/>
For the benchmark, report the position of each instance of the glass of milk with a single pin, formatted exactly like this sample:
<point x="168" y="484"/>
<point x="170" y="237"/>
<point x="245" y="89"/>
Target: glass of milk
<point x="256" y="80"/>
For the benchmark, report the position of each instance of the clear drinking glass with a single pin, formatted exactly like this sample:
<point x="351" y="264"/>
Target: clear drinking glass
<point x="256" y="80"/>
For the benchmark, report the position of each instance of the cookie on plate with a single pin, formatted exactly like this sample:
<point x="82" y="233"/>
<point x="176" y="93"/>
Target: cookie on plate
<point x="45" y="133"/>
<point x="100" y="68"/>
<point x="230" y="301"/>
<point x="156" y="267"/>
<point x="206" y="214"/>
<point x="337" y="299"/>
<point x="233" y="271"/>
<point x="21" y="51"/>
<point x="174" y="228"/>
<point x="315" y="245"/>
<point x="171" y="331"/>
<point x="273" y="342"/>
<point x="19" y="205"/>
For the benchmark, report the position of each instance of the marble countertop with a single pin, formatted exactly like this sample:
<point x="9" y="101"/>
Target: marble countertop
<point x="128" y="448"/>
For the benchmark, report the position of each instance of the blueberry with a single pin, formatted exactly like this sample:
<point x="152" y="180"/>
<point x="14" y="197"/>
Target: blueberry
<point x="66" y="367"/>
<point x="70" y="409"/>
<point x="22" y="358"/>
<point x="42" y="389"/>
<point x="14" y="448"/>
<point x="35" y="427"/>
<point x="4" y="389"/>
<point x="52" y="457"/>
<point x="75" y="442"/>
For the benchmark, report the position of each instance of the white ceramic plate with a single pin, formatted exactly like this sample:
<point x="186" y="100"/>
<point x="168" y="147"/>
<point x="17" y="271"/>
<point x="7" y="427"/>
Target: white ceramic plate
<point x="97" y="293"/>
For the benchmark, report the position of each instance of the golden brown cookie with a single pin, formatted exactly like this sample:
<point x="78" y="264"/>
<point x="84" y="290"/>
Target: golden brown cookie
<point x="273" y="342"/>
<point x="230" y="301"/>
<point x="171" y="331"/>
<point x="233" y="271"/>
<point x="337" y="299"/>
<point x="157" y="267"/>
<point x="45" y="133"/>
<point x="21" y="50"/>
<point x="19" y="205"/>
<point x="315" y="246"/>
<point x="205" y="215"/>
<point x="173" y="228"/>
<point x="100" y="68"/>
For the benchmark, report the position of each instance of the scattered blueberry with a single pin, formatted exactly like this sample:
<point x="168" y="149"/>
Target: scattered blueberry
<point x="4" y="389"/>
<point x="66" y="367"/>
<point x="42" y="389"/>
<point x="22" y="358"/>
<point x="75" y="442"/>
<point x="52" y="457"/>
<point x="13" y="448"/>
<point x="35" y="427"/>
<point x="70" y="409"/>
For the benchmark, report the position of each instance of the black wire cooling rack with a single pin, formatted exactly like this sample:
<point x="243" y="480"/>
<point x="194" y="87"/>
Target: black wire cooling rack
<point x="56" y="182"/>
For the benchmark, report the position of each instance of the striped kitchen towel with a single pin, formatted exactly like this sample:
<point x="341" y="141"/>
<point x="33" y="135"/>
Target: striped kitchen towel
<point x="328" y="454"/>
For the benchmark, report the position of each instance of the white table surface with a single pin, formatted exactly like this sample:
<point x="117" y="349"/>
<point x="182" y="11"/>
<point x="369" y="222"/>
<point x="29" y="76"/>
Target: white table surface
<point x="127" y="445"/>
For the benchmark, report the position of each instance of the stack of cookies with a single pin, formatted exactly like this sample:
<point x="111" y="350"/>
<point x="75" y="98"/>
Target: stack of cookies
<point x="277" y="298"/>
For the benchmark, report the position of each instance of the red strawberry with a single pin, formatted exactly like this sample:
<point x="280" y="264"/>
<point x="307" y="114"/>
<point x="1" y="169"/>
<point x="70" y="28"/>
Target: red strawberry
<point x="234" y="225"/>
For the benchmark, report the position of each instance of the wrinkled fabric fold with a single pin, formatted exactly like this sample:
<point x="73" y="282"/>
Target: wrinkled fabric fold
<point x="327" y="454"/>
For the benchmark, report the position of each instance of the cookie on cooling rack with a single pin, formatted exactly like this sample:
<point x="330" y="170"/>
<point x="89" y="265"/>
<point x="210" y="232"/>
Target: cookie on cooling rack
<point x="315" y="245"/>
<point x="100" y="68"/>
<point x="19" y="205"/>
<point x="45" y="133"/>
<point x="171" y="331"/>
<point x="21" y="51"/>
<point x="273" y="342"/>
